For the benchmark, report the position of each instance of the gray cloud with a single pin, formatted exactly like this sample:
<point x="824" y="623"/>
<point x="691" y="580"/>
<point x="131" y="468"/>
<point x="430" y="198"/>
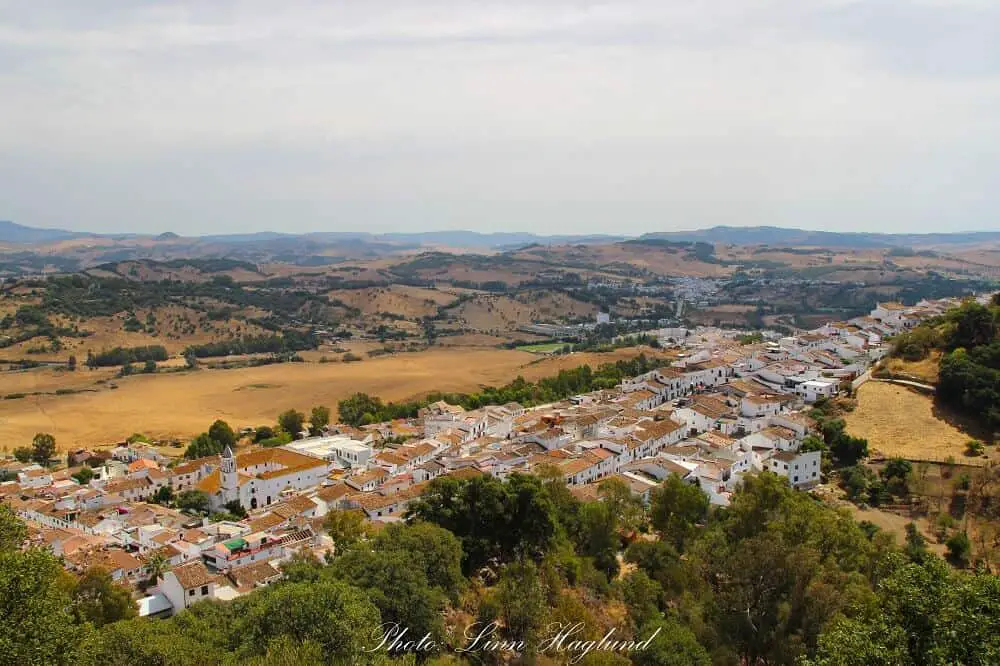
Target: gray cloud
<point x="553" y="116"/>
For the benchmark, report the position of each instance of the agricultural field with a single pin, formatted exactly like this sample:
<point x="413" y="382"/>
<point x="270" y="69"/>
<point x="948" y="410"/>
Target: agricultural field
<point x="180" y="405"/>
<point x="898" y="421"/>
<point x="542" y="348"/>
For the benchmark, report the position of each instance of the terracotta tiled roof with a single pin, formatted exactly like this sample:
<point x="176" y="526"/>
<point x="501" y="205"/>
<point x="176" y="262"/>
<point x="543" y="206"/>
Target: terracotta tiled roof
<point x="294" y="506"/>
<point x="576" y="466"/>
<point x="114" y="559"/>
<point x="252" y="575"/>
<point x="266" y="522"/>
<point x="334" y="492"/>
<point x="192" y="574"/>
<point x="652" y="430"/>
<point x="465" y="473"/>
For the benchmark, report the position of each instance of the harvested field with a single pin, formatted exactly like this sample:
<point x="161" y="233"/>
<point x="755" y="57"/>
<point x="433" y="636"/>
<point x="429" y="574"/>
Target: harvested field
<point x="900" y="422"/>
<point x="180" y="405"/>
<point x="51" y="379"/>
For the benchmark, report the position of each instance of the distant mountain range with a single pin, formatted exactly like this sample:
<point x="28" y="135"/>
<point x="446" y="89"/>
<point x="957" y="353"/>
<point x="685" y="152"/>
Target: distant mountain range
<point x="803" y="237"/>
<point x="11" y="232"/>
<point x="18" y="233"/>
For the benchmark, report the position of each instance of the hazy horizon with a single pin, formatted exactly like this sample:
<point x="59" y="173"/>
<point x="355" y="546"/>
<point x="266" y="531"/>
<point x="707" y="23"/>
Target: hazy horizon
<point x="551" y="117"/>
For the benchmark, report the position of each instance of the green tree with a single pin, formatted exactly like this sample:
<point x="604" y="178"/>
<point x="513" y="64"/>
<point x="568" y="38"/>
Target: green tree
<point x="156" y="566"/>
<point x="599" y="536"/>
<point x="303" y="567"/>
<point x="436" y="550"/>
<point x="662" y="564"/>
<point x="146" y="643"/>
<point x="861" y="642"/>
<point x="291" y="421"/>
<point x="36" y="626"/>
<point x="23" y="454"/>
<point x="642" y="596"/>
<point x="812" y="443"/>
<point x="203" y="446"/>
<point x="43" y="447"/>
<point x="283" y="651"/>
<point x="975" y="326"/>
<point x="397" y="584"/>
<point x="234" y="508"/>
<point x="13" y="532"/>
<point x="520" y="597"/>
<point x="896" y="475"/>
<point x="627" y="508"/>
<point x="193" y="500"/>
<point x="164" y="495"/>
<point x="332" y="614"/>
<point x="493" y="519"/>
<point x="84" y="476"/>
<point x="262" y="433"/>
<point x="99" y="600"/>
<point x="672" y="644"/>
<point x="352" y="410"/>
<point x="959" y="549"/>
<point x="319" y="418"/>
<point x="916" y="544"/>
<point x="222" y="434"/>
<point x="345" y="527"/>
<point x="676" y="508"/>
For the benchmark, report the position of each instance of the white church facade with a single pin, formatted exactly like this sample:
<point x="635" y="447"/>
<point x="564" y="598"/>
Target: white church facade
<point x="261" y="478"/>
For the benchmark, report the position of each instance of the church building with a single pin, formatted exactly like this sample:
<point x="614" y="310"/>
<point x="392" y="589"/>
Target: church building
<point x="258" y="479"/>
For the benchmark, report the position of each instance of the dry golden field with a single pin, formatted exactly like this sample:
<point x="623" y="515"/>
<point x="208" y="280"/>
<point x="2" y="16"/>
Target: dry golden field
<point x="180" y="405"/>
<point x="492" y="312"/>
<point x="404" y="300"/>
<point x="898" y="421"/>
<point x="925" y="370"/>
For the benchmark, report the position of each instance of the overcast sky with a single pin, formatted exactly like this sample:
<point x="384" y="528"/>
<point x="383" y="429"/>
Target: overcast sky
<point x="551" y="116"/>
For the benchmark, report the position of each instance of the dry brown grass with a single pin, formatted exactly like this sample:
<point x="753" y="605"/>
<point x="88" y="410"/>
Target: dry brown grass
<point x="50" y="379"/>
<point x="925" y="370"/>
<point x="410" y="302"/>
<point x="491" y="312"/>
<point x="895" y="524"/>
<point x="181" y="405"/>
<point x="898" y="421"/>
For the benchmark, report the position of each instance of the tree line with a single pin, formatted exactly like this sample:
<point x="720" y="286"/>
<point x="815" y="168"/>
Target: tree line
<point x="290" y="340"/>
<point x="126" y="355"/>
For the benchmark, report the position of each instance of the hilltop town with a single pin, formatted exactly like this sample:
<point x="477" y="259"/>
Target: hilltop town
<point x="725" y="406"/>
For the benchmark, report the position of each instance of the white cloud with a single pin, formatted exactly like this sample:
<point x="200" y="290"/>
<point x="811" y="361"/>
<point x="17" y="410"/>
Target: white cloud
<point x="561" y="116"/>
